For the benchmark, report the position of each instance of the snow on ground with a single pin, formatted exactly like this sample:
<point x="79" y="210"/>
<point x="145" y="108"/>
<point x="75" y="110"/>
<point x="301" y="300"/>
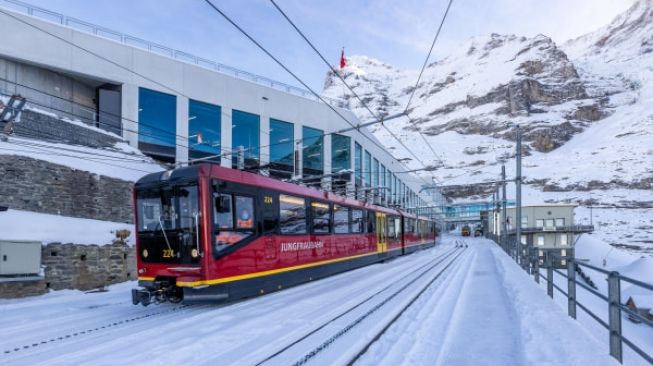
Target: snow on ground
<point x="25" y="225"/>
<point x="123" y="162"/>
<point x="483" y="310"/>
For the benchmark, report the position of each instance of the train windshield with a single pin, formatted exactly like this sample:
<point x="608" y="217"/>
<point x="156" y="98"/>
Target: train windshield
<point x="169" y="224"/>
<point x="167" y="208"/>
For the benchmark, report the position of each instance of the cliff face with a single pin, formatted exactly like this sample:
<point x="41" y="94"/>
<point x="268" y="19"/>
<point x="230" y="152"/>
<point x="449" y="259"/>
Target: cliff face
<point x="487" y="88"/>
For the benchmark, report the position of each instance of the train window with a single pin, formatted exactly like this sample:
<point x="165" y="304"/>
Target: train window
<point x="225" y="206"/>
<point x="357" y="223"/>
<point x="398" y="226"/>
<point x="391" y="228"/>
<point x="223" y="214"/>
<point x="371" y="222"/>
<point x="321" y="214"/>
<point x="340" y="219"/>
<point x="244" y="212"/>
<point x="188" y="206"/>
<point x="292" y="214"/>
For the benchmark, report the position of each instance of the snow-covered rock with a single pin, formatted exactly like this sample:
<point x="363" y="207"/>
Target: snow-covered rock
<point x="585" y="109"/>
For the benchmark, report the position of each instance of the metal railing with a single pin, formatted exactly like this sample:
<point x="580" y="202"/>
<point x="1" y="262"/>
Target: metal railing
<point x="553" y="229"/>
<point x="110" y="34"/>
<point x="613" y="302"/>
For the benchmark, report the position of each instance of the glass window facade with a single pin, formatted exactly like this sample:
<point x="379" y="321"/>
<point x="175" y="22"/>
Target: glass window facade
<point x="367" y="170"/>
<point x="282" y="137"/>
<point x="313" y="151"/>
<point x="358" y="163"/>
<point x="340" y="160"/>
<point x="375" y="174"/>
<point x="383" y="180"/>
<point x="204" y="122"/>
<point x="245" y="129"/>
<point x="157" y="124"/>
<point x="340" y="153"/>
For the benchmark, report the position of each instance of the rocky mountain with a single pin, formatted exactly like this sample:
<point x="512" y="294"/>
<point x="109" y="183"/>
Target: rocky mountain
<point x="585" y="109"/>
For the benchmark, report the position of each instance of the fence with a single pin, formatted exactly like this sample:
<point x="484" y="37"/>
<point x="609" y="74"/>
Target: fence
<point x="86" y="27"/>
<point x="613" y="302"/>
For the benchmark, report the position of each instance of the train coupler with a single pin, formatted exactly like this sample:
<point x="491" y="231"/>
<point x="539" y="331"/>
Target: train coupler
<point x="141" y="296"/>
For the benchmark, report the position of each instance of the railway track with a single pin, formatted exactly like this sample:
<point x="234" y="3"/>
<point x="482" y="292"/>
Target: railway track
<point x="357" y="314"/>
<point x="101" y="328"/>
<point x="101" y="325"/>
<point x="92" y="330"/>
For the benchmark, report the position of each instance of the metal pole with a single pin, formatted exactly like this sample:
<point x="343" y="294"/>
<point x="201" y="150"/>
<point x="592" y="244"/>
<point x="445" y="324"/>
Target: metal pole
<point x="571" y="289"/>
<point x="504" y="233"/>
<point x="614" y="316"/>
<point x="518" y="219"/>
<point x="537" y="268"/>
<point x="549" y="279"/>
<point x="549" y="276"/>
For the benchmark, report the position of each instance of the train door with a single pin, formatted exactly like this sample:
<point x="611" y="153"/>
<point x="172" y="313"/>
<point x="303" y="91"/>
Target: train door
<point x="381" y="237"/>
<point x="270" y="210"/>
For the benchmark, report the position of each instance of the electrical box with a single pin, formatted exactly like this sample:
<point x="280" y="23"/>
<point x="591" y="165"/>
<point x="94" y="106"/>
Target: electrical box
<point x="20" y="257"/>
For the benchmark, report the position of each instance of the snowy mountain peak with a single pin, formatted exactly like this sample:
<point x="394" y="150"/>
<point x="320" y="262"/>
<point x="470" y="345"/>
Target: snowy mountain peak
<point x="477" y="88"/>
<point x="631" y="33"/>
<point x="584" y="108"/>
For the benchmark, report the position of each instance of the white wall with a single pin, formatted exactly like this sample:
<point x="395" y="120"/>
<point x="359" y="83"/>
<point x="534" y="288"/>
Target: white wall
<point x="132" y="68"/>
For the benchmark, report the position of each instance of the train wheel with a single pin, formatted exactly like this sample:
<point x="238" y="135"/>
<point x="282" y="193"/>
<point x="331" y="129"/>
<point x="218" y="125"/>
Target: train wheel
<point x="174" y="295"/>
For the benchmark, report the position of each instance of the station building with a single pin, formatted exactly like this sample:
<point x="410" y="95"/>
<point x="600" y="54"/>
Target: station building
<point x="549" y="229"/>
<point x="178" y="107"/>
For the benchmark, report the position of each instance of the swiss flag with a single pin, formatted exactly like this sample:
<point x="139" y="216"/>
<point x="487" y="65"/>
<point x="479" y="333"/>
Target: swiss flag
<point x="343" y="62"/>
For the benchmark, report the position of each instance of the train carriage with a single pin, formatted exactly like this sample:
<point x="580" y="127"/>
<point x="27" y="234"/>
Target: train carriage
<point x="206" y="232"/>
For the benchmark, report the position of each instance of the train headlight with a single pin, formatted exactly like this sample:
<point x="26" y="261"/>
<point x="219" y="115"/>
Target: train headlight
<point x="145" y="253"/>
<point x="194" y="253"/>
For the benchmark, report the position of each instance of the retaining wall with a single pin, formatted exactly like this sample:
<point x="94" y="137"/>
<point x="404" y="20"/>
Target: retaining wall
<point x="77" y="266"/>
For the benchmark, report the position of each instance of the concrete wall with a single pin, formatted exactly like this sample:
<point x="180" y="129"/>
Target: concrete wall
<point x="36" y="185"/>
<point x="77" y="266"/>
<point x="68" y="97"/>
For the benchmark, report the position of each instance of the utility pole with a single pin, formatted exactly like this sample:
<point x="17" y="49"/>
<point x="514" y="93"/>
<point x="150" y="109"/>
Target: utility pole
<point x="504" y="228"/>
<point x="518" y="220"/>
<point x="491" y="212"/>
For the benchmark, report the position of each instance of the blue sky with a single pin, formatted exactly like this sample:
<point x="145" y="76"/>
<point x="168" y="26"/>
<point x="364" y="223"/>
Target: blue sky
<point x="398" y="32"/>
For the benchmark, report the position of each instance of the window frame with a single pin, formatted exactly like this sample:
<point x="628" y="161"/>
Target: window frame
<point x="223" y="187"/>
<point x="566" y="241"/>
<point x="306" y="214"/>
<point x="333" y="220"/>
<point x="312" y="219"/>
<point x="363" y="228"/>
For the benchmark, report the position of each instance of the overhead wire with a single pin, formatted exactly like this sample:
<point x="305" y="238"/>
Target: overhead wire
<point x="342" y="79"/>
<point x="428" y="56"/>
<point x="354" y="127"/>
<point x="419" y="77"/>
<point x="282" y="65"/>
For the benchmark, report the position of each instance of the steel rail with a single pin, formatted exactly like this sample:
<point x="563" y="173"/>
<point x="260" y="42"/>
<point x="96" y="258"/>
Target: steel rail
<point x="359" y="304"/>
<point x="400" y="313"/>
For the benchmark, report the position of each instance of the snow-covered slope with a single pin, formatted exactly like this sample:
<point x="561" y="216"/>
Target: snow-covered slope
<point x="585" y="109"/>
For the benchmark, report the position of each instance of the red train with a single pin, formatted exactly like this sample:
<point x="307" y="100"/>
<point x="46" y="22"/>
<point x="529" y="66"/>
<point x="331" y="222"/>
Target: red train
<point x="206" y="232"/>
